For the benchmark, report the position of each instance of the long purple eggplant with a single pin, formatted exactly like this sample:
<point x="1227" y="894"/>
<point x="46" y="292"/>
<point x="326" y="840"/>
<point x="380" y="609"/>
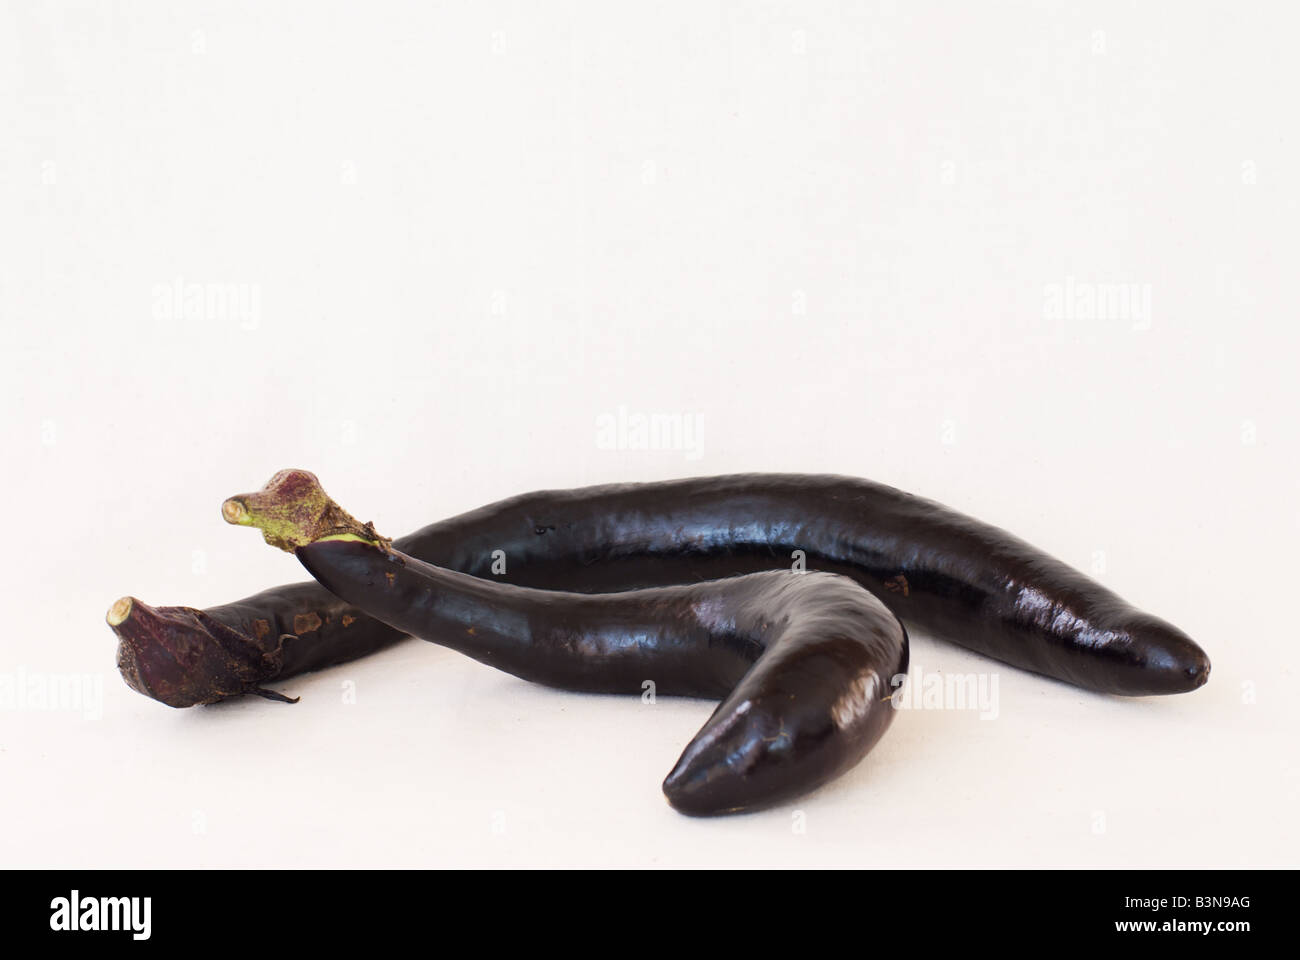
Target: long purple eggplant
<point x="805" y="663"/>
<point x="937" y="570"/>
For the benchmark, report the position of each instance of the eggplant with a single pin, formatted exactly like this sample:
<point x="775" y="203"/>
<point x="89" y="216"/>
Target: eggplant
<point x="937" y="570"/>
<point x="805" y="663"/>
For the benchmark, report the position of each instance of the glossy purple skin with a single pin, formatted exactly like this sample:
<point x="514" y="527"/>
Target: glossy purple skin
<point x="937" y="570"/>
<point x="805" y="664"/>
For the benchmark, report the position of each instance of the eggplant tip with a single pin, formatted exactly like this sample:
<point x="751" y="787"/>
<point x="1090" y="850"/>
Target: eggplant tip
<point x="119" y="611"/>
<point x="695" y="788"/>
<point x="696" y="802"/>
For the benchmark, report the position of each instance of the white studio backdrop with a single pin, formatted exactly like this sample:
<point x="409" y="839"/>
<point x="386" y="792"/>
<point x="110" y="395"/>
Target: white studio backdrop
<point x="1034" y="261"/>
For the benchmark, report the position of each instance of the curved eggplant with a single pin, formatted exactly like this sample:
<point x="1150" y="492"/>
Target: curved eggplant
<point x="805" y="663"/>
<point x="936" y="569"/>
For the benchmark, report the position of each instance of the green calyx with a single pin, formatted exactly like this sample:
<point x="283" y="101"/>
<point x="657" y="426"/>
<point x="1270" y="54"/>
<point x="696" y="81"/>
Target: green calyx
<point x="293" y="510"/>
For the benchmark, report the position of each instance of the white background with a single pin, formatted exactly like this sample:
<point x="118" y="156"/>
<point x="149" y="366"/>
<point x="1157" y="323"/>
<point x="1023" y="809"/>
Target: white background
<point x="831" y="235"/>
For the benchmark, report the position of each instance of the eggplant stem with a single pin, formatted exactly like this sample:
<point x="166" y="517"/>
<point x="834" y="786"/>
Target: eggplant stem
<point x="119" y="611"/>
<point x="293" y="510"/>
